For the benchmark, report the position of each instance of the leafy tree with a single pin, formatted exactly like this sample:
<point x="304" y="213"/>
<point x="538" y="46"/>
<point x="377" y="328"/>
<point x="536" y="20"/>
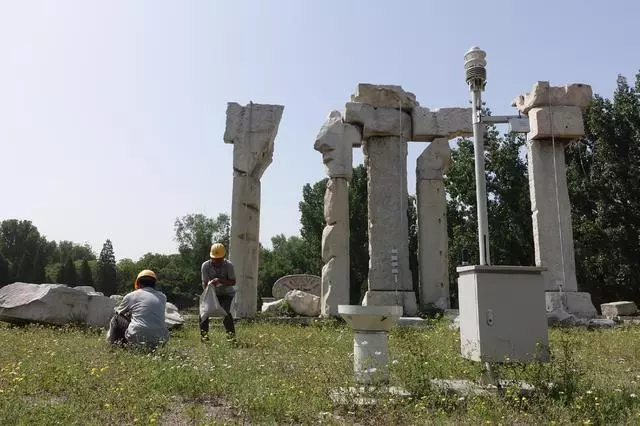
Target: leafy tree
<point x="38" y="275"/>
<point x="106" y="273"/>
<point x="5" y="273"/>
<point x="358" y="234"/>
<point x="67" y="274"/>
<point x="127" y="270"/>
<point x="603" y="176"/>
<point x="508" y="205"/>
<point x="288" y="256"/>
<point x="86" y="275"/>
<point x="19" y="243"/>
<point x="312" y="221"/>
<point x="195" y="233"/>
<point x="412" y="213"/>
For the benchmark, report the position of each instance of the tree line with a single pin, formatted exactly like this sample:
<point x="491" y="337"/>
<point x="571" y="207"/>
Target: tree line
<point x="603" y="177"/>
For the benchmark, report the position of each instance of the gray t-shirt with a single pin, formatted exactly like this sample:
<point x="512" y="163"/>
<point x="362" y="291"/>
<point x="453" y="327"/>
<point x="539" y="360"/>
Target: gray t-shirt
<point x="147" y="309"/>
<point x="222" y="270"/>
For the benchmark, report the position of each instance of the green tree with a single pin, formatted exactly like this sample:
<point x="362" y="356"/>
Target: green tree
<point x="127" y="270"/>
<point x="288" y="256"/>
<point x="603" y="176"/>
<point x="195" y="233"/>
<point x="508" y="205"/>
<point x="358" y="234"/>
<point x="19" y="243"/>
<point x="312" y="221"/>
<point x="68" y="274"/>
<point x="412" y="213"/>
<point x="5" y="273"/>
<point x="106" y="273"/>
<point x="38" y="275"/>
<point x="86" y="275"/>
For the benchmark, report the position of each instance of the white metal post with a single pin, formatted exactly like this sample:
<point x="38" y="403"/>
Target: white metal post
<point x="476" y="77"/>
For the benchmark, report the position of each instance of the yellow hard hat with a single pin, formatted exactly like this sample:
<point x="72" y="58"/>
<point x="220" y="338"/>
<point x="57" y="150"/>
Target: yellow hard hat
<point x="217" y="251"/>
<point x="145" y="273"/>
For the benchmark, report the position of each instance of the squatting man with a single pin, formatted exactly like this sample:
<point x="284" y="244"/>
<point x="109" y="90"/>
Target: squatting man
<point x="139" y="318"/>
<point x="219" y="272"/>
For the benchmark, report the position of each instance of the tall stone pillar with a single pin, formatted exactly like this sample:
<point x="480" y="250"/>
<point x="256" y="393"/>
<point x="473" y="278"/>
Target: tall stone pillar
<point x="252" y="130"/>
<point x="555" y="117"/>
<point x="433" y="241"/>
<point x="383" y="113"/>
<point x="437" y="126"/>
<point x="335" y="141"/>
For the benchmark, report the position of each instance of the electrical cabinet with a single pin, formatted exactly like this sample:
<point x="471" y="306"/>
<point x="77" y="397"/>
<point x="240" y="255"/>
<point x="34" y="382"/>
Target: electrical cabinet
<point x="502" y="313"/>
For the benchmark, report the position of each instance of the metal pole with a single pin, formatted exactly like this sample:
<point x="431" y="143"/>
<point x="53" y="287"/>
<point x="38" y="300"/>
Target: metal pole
<point x="476" y="76"/>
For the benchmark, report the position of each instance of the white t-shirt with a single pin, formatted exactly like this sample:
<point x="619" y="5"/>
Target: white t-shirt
<point x="147" y="309"/>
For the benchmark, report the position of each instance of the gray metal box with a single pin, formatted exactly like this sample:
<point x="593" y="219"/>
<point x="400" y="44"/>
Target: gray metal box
<point x="502" y="313"/>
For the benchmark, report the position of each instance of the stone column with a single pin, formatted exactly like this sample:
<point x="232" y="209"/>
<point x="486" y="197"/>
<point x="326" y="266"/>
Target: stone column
<point x="383" y="113"/>
<point x="252" y="130"/>
<point x="437" y="126"/>
<point x="555" y="116"/>
<point x="335" y="141"/>
<point x="433" y="241"/>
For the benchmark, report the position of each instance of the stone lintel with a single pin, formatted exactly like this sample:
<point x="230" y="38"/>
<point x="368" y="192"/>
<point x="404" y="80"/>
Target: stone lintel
<point x="378" y="121"/>
<point x="449" y="123"/>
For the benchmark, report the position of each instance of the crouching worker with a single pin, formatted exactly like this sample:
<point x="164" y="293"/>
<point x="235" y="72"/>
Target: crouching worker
<point x="219" y="273"/>
<point x="139" y="317"/>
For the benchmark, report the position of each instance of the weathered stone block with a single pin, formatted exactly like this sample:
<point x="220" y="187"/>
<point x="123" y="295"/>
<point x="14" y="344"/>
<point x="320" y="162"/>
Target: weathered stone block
<point x="543" y="95"/>
<point x="406" y="299"/>
<point x="434" y="160"/>
<point x="335" y="141"/>
<point x="252" y="130"/>
<point x="303" y="282"/>
<point x="559" y="122"/>
<point x="573" y="302"/>
<point x="377" y="121"/>
<point x="617" y="309"/>
<point x="433" y="247"/>
<point x="438" y="123"/>
<point x="335" y="285"/>
<point x="385" y="96"/>
<point x="556" y="255"/>
<point x="386" y="162"/>
<point x="336" y="201"/>
<point x="303" y="303"/>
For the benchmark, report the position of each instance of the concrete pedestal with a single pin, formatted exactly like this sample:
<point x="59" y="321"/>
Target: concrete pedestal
<point x="502" y="313"/>
<point x="370" y="345"/>
<point x="576" y="303"/>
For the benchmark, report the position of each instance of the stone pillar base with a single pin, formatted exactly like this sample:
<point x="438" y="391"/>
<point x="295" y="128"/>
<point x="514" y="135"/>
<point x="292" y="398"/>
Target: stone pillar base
<point x="576" y="303"/>
<point x="406" y="299"/>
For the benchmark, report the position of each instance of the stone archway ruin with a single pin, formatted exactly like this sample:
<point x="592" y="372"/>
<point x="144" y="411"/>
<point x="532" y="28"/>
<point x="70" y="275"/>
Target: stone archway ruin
<point x="383" y="119"/>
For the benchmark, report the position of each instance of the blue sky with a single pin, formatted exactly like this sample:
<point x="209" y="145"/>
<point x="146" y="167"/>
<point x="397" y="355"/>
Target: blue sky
<point x="112" y="113"/>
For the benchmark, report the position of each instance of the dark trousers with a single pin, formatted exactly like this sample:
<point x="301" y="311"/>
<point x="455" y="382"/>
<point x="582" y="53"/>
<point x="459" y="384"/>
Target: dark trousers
<point x="117" y="329"/>
<point x="225" y="302"/>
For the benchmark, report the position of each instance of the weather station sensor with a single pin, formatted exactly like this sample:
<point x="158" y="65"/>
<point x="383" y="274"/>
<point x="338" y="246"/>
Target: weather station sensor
<point x="502" y="308"/>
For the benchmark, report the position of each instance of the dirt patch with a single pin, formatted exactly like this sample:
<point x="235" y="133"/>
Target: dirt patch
<point x="190" y="411"/>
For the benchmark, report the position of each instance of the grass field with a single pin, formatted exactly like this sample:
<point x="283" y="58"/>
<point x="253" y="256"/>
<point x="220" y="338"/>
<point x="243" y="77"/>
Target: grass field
<point x="282" y="374"/>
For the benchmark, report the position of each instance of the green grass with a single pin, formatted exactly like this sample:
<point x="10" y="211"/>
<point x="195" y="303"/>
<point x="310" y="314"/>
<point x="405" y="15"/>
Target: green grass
<point x="282" y="374"/>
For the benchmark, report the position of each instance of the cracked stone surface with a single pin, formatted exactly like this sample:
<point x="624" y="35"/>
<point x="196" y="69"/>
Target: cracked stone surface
<point x="252" y="130"/>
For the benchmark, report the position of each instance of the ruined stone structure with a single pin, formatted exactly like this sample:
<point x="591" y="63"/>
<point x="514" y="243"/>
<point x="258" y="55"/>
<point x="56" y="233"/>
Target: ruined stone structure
<point x="555" y="117"/>
<point x="335" y="140"/>
<point x="437" y="127"/>
<point x="383" y="118"/>
<point x="252" y="130"/>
